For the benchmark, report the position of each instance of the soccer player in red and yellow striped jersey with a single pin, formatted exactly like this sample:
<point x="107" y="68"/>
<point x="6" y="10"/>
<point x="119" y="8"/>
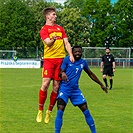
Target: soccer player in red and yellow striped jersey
<point x="55" y="42"/>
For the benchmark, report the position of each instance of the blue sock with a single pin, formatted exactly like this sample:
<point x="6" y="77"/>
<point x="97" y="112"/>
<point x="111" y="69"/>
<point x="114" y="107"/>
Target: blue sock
<point x="58" y="121"/>
<point x="89" y="121"/>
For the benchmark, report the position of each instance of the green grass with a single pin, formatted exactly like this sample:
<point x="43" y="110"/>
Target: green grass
<point x="19" y="89"/>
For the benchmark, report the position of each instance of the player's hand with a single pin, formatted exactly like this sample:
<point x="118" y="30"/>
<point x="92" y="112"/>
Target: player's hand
<point x="72" y="59"/>
<point x="54" y="37"/>
<point x="64" y="77"/>
<point x="113" y="69"/>
<point x="104" y="88"/>
<point x="101" y="70"/>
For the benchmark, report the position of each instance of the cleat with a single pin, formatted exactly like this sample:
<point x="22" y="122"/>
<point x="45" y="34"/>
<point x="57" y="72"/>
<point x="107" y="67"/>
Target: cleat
<point x="39" y="116"/>
<point x="47" y="117"/>
<point x="110" y="88"/>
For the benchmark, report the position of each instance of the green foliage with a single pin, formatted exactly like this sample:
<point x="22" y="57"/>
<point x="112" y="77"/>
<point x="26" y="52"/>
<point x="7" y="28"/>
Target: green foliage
<point x="74" y="3"/>
<point x="111" y="24"/>
<point x="124" y="22"/>
<point x="20" y="23"/>
<point x="17" y="24"/>
<point x="87" y="22"/>
<point x="76" y="26"/>
<point x="99" y="14"/>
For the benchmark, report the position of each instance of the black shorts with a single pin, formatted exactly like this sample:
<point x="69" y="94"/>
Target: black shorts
<point x="108" y="71"/>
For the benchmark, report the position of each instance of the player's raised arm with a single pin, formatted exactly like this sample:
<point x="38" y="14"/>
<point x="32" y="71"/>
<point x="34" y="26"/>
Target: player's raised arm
<point x="95" y="78"/>
<point x="69" y="50"/>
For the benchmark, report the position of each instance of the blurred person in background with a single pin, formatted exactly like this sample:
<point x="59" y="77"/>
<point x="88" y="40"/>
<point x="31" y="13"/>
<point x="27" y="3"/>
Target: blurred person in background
<point x="108" y="67"/>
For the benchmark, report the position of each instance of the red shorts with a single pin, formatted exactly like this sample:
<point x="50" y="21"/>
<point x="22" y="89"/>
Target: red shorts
<point x="51" y="68"/>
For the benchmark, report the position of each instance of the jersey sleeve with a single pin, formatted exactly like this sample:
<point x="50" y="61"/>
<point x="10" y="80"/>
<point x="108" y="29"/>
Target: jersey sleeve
<point x="63" y="33"/>
<point x="113" y="59"/>
<point x="44" y="33"/>
<point x="64" y="63"/>
<point x="102" y="58"/>
<point x="86" y="67"/>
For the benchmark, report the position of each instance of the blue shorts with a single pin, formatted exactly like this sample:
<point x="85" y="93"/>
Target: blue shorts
<point x="75" y="95"/>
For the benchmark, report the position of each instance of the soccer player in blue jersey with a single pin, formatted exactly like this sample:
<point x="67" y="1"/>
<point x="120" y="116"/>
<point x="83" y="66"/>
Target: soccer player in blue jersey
<point x="69" y="88"/>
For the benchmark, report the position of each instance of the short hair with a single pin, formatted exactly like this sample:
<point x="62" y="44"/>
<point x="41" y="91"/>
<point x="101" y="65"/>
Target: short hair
<point x="107" y="48"/>
<point x="47" y="10"/>
<point x="76" y="47"/>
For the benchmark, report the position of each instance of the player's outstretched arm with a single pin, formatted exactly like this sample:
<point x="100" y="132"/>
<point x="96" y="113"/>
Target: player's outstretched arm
<point x="94" y="78"/>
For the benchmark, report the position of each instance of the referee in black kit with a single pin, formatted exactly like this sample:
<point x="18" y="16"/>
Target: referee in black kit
<point x="108" y="67"/>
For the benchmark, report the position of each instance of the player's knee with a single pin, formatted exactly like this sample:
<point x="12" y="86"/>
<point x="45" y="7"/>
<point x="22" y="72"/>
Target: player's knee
<point x="44" y="87"/>
<point x="83" y="107"/>
<point x="104" y="76"/>
<point x="110" y="77"/>
<point x="61" y="104"/>
<point x="45" y="84"/>
<point x="55" y="87"/>
<point x="60" y="101"/>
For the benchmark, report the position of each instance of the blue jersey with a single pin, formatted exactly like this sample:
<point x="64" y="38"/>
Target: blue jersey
<point x="70" y="88"/>
<point x="73" y="71"/>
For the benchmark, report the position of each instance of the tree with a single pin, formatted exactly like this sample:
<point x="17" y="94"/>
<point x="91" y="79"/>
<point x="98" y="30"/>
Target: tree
<point x="74" y="4"/>
<point x="20" y="23"/>
<point x="76" y="26"/>
<point x="87" y="23"/>
<point x="110" y="25"/>
<point x="99" y="14"/>
<point x="124" y="23"/>
<point x="16" y="24"/>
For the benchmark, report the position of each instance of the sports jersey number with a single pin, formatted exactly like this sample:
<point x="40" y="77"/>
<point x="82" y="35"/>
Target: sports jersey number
<point x="45" y="72"/>
<point x="77" y="70"/>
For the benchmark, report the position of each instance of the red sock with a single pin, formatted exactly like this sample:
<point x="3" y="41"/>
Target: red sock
<point x="42" y="99"/>
<point x="53" y="97"/>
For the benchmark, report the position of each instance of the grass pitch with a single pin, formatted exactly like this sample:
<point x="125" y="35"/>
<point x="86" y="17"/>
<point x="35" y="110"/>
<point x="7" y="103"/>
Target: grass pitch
<point x="19" y="89"/>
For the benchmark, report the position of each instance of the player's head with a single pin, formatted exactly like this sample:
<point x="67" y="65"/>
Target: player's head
<point x="77" y="52"/>
<point x="107" y="50"/>
<point x="49" y="13"/>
